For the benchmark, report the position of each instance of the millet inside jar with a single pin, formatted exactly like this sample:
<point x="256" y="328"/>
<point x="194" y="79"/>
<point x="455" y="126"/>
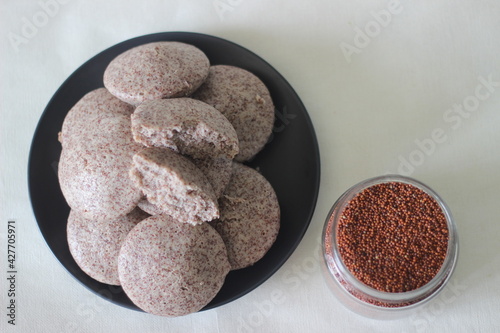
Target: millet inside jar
<point x="393" y="237"/>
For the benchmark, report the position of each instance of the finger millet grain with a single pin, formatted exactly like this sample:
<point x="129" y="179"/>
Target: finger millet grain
<point x="393" y="237"/>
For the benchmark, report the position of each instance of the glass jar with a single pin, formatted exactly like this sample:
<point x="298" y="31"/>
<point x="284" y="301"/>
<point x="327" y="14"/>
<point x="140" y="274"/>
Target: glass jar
<point x="362" y="298"/>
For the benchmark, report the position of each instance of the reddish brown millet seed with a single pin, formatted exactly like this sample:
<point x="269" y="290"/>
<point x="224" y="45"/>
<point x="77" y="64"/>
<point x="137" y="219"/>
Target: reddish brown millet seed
<point x="393" y="237"/>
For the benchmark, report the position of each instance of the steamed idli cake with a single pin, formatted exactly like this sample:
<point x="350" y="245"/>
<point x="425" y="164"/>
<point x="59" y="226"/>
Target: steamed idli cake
<point x="185" y="125"/>
<point x="249" y="217"/>
<point x="95" y="244"/>
<point x="172" y="269"/>
<point x="218" y="172"/>
<point x="96" y="157"/>
<point x="96" y="112"/>
<point x="245" y="101"/>
<point x="155" y="71"/>
<point x="175" y="185"/>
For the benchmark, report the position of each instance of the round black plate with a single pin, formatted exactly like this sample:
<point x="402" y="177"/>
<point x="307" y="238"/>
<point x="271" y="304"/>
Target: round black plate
<point x="290" y="162"/>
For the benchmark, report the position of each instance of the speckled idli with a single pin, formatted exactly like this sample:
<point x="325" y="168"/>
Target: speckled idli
<point x="249" y="217"/>
<point x="185" y="125"/>
<point x="97" y="153"/>
<point x="218" y="172"/>
<point x="95" y="245"/>
<point x="175" y="185"/>
<point x="156" y="70"/>
<point x="244" y="99"/>
<point x="172" y="269"/>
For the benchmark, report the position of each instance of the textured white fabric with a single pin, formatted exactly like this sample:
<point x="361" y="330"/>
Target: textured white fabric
<point x="404" y="87"/>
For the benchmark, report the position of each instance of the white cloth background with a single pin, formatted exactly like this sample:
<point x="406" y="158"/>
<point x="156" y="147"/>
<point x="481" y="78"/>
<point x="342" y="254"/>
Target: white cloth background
<point x="375" y="101"/>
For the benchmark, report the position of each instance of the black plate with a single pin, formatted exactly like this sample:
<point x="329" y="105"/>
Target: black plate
<point x="290" y="162"/>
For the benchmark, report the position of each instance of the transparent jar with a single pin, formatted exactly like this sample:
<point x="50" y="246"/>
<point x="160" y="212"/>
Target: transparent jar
<point x="362" y="298"/>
